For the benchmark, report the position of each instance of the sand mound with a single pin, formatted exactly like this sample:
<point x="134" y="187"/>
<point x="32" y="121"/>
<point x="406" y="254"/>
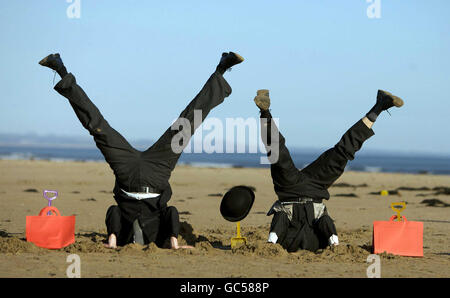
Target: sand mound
<point x="354" y="248"/>
<point x="151" y="248"/>
<point x="340" y="253"/>
<point x="344" y="253"/>
<point x="256" y="234"/>
<point x="14" y="245"/>
<point x="88" y="243"/>
<point x="204" y="246"/>
<point x="86" y="247"/>
<point x="132" y="249"/>
<point x="350" y="250"/>
<point x="261" y="249"/>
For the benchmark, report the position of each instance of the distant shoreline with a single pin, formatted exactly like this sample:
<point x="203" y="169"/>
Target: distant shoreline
<point x="365" y="161"/>
<point x="218" y="165"/>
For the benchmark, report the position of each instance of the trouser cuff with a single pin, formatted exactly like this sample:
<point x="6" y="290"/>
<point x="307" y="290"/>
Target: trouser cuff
<point x="365" y="131"/>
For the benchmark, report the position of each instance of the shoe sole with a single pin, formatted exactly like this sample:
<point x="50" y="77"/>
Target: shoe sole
<point x="264" y="92"/>
<point x="397" y="101"/>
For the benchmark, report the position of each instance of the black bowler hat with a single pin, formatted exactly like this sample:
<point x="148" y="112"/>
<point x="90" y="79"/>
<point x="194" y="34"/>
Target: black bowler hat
<point x="236" y="203"/>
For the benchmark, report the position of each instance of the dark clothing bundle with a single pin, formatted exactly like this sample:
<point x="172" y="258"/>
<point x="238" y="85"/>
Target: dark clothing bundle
<point x="156" y="227"/>
<point x="304" y="231"/>
<point x="135" y="170"/>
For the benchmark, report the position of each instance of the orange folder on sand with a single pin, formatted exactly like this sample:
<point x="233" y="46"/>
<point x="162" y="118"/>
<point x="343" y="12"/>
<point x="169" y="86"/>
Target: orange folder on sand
<point x="50" y="231"/>
<point x="403" y="238"/>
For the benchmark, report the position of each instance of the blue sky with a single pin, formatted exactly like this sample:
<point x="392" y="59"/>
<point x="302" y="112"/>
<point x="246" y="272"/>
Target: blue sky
<point x="141" y="62"/>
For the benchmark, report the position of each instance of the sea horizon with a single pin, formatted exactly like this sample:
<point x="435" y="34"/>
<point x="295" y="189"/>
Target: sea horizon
<point x="365" y="161"/>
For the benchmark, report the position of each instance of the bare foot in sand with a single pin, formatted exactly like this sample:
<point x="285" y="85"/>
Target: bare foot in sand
<point x="112" y="241"/>
<point x="174" y="244"/>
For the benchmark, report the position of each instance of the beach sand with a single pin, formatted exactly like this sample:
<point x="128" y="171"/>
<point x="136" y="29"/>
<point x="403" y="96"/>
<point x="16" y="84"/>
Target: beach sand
<point x="85" y="190"/>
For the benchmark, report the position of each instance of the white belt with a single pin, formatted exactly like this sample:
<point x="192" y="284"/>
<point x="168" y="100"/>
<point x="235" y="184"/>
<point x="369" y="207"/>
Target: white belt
<point x="141" y="195"/>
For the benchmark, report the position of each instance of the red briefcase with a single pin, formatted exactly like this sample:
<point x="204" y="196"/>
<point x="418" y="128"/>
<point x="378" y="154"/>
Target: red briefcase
<point x="403" y="237"/>
<point x="50" y="231"/>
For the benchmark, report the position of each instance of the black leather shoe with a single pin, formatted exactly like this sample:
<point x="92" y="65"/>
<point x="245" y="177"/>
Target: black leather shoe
<point x="387" y="100"/>
<point x="229" y="59"/>
<point x="52" y="61"/>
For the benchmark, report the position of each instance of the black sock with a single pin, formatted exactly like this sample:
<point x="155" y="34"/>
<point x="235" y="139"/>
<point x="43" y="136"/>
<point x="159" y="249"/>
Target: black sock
<point x="62" y="71"/>
<point x="265" y="114"/>
<point x="220" y="69"/>
<point x="373" y="114"/>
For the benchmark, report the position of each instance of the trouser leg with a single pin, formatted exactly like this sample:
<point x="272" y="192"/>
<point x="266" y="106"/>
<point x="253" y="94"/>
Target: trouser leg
<point x="324" y="228"/>
<point x="168" y="148"/>
<point x="117" y="225"/>
<point x="279" y="226"/>
<point x="171" y="221"/>
<point x="331" y="164"/>
<point x="113" y="221"/>
<point x="283" y="170"/>
<point x="298" y="232"/>
<point x="116" y="150"/>
<point x="169" y="225"/>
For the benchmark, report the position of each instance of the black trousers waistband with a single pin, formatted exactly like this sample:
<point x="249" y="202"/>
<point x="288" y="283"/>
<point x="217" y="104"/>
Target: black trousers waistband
<point x="141" y="189"/>
<point x="301" y="200"/>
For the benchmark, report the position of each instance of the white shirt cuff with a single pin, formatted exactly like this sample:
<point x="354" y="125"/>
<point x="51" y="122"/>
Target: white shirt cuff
<point x="272" y="237"/>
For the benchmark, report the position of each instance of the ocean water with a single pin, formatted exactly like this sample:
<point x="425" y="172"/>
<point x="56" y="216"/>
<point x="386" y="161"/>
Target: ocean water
<point x="393" y="163"/>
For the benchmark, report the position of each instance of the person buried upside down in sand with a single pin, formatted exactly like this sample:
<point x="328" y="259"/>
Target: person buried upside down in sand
<point x="142" y="187"/>
<point x="300" y="218"/>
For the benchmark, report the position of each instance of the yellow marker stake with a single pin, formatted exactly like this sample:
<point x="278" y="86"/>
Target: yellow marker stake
<point x="238" y="239"/>
<point x="398" y="207"/>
